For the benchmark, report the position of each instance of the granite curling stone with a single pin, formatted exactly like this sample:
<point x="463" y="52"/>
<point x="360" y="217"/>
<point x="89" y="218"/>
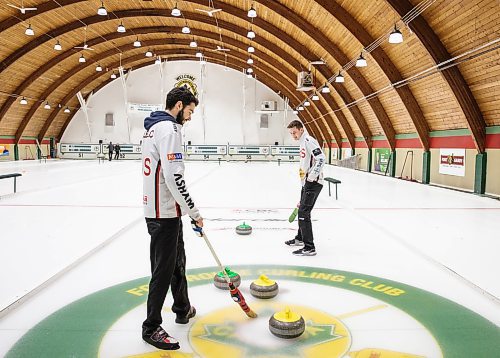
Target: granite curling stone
<point x="243" y="229"/>
<point x="220" y="279"/>
<point x="287" y="324"/>
<point x="264" y="287"/>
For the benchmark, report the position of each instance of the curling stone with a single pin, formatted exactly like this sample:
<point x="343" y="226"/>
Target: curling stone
<point x="243" y="229"/>
<point x="287" y="324"/>
<point x="220" y="279"/>
<point x="264" y="287"/>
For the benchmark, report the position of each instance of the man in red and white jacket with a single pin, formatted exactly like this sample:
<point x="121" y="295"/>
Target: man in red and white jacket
<point x="166" y="199"/>
<point x="312" y="161"/>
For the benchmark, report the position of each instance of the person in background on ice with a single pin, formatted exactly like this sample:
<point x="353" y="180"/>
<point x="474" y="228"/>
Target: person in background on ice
<point x="166" y="199"/>
<point x="110" y="151"/>
<point x="312" y="161"/>
<point x="117" y="151"/>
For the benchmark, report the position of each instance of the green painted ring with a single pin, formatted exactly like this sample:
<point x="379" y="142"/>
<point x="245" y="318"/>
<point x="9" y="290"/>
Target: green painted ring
<point x="73" y="328"/>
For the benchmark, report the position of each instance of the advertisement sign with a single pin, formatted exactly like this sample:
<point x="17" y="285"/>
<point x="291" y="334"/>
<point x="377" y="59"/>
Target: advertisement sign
<point x="382" y="156"/>
<point x="452" y="162"/>
<point x="143" y="107"/>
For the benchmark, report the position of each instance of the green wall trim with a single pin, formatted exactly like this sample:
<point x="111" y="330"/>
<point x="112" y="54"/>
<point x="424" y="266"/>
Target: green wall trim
<point x="426" y="170"/>
<point x="493" y="130"/>
<point x="369" y="164"/>
<point x="392" y="164"/>
<point x="344" y="140"/>
<point x="379" y="137"/>
<point x="480" y="174"/>
<point x="359" y="139"/>
<point x="406" y="136"/>
<point x="450" y="133"/>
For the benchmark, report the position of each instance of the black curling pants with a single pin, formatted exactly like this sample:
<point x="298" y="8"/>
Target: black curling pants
<point x="308" y="195"/>
<point x="168" y="268"/>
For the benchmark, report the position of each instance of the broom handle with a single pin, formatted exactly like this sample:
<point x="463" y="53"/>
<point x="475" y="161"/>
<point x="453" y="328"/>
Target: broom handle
<point x="215" y="257"/>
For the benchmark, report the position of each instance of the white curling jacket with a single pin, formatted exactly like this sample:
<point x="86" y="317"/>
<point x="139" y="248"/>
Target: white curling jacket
<point x="312" y="159"/>
<point x="165" y="193"/>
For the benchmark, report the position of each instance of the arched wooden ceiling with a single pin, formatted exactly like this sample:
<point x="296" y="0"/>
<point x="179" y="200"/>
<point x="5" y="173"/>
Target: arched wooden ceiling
<point x="290" y="34"/>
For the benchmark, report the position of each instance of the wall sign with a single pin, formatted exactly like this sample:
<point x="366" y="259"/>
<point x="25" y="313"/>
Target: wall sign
<point x="452" y="162"/>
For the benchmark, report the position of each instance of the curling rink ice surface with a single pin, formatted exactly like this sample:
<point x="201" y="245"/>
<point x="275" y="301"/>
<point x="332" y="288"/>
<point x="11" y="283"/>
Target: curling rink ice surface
<point x="403" y="269"/>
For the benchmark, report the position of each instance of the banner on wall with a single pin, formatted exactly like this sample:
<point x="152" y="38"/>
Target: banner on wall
<point x="4" y="151"/>
<point x="382" y="156"/>
<point x="143" y="107"/>
<point x="187" y="80"/>
<point x="452" y="162"/>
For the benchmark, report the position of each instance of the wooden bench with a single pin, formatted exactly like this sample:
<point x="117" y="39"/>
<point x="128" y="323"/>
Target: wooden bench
<point x="332" y="181"/>
<point x="13" y="175"/>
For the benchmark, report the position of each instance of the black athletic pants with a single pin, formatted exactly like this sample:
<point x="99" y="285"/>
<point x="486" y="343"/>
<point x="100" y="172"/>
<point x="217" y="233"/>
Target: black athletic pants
<point x="308" y="195"/>
<point x="168" y="267"/>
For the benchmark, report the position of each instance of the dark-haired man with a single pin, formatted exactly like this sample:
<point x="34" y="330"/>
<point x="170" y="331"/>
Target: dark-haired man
<point x="166" y="199"/>
<point x="312" y="160"/>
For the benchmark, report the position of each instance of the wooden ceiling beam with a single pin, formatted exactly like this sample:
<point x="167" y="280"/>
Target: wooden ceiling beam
<point x="385" y="64"/>
<point x="304" y="51"/>
<point x="115" y="35"/>
<point x="453" y="76"/>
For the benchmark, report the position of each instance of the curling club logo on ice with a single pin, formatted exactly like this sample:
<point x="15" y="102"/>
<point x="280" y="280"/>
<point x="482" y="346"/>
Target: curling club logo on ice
<point x="187" y="80"/>
<point x="228" y="333"/>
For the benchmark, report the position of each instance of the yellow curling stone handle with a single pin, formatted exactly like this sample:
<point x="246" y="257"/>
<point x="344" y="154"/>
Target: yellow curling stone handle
<point x="287" y="316"/>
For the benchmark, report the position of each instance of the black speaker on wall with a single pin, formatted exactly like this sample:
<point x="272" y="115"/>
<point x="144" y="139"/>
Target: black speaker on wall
<point x="189" y="142"/>
<point x="275" y="143"/>
<point x="100" y="141"/>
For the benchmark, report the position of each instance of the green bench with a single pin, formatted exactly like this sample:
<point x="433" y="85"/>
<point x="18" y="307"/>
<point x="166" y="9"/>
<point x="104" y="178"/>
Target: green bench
<point x="332" y="181"/>
<point x="13" y="175"/>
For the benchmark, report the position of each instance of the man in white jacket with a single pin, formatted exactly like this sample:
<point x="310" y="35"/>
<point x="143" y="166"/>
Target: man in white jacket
<point x="312" y="161"/>
<point x="166" y="199"/>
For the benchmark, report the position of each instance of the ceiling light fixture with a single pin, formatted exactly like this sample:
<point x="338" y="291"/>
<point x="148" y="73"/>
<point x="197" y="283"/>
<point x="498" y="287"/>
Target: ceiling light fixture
<point x="121" y="29"/>
<point x="193" y="44"/>
<point x="29" y="31"/>
<point x="361" y="62"/>
<point x="396" y="37"/>
<point x="102" y="10"/>
<point x="251" y="49"/>
<point x="98" y="68"/>
<point x="67" y="110"/>
<point x="47" y="105"/>
<point x="295" y="111"/>
<point x="325" y="89"/>
<point x="250" y="61"/>
<point x="251" y="34"/>
<point x="300" y="108"/>
<point x="339" y="78"/>
<point x="251" y="12"/>
<point x="199" y="54"/>
<point x="315" y="97"/>
<point x="186" y="30"/>
<point x="176" y="11"/>
<point x="149" y="53"/>
<point x="137" y="43"/>
<point x="82" y="59"/>
<point x="58" y="46"/>
<point x="113" y="76"/>
<point x="250" y="70"/>
<point x="23" y="101"/>
<point x="307" y="103"/>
